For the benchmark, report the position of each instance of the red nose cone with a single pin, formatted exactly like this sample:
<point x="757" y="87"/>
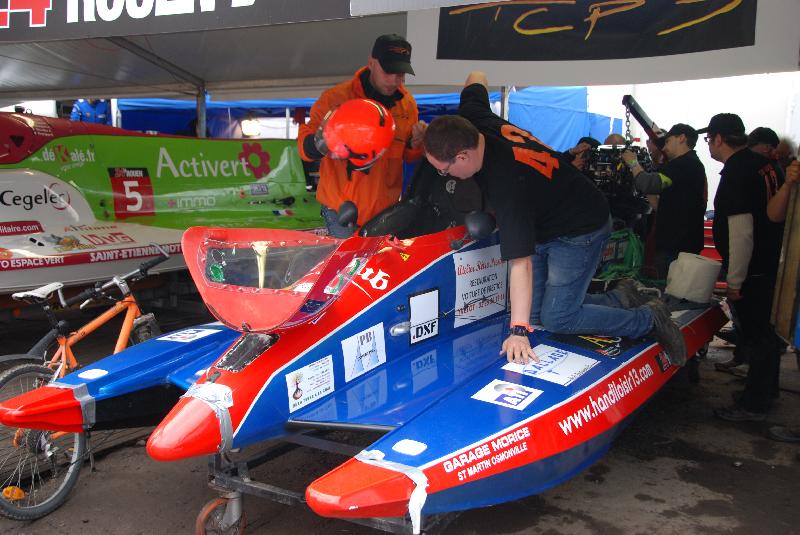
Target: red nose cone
<point x="48" y="408"/>
<point x="359" y="490"/>
<point x="191" y="429"/>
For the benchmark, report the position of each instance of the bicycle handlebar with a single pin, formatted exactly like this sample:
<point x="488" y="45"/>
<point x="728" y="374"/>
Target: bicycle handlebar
<point x="88" y="293"/>
<point x="92" y="293"/>
<point x="142" y="270"/>
<point x="146" y="266"/>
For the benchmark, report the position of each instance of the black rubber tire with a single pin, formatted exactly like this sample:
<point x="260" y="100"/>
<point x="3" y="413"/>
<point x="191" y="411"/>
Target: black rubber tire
<point x="210" y="515"/>
<point x="9" y="361"/>
<point x="35" y="462"/>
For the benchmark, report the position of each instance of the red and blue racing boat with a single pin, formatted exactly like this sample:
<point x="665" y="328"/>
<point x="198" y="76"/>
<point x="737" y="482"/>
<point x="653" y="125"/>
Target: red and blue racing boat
<point x="401" y="336"/>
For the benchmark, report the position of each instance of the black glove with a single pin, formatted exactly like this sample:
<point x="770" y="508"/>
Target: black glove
<point x="319" y="140"/>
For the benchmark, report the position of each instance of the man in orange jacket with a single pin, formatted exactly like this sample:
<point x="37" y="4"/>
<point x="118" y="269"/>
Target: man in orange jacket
<point x="378" y="186"/>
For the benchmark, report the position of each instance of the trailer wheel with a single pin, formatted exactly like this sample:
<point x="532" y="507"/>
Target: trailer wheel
<point x="211" y="520"/>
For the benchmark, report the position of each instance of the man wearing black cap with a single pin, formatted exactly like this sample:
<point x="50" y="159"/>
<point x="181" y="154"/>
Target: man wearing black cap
<point x="378" y="187"/>
<point x="765" y="141"/>
<point x="682" y="189"/>
<point x="750" y="245"/>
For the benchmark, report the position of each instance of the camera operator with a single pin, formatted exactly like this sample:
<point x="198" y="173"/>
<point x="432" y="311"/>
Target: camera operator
<point x="577" y="154"/>
<point x="682" y="189"/>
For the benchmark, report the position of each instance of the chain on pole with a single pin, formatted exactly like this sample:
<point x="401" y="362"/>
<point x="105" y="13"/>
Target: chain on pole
<point x="628" y="137"/>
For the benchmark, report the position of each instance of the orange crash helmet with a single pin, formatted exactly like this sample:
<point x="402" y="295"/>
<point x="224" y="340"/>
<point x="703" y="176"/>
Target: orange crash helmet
<point x="359" y="130"/>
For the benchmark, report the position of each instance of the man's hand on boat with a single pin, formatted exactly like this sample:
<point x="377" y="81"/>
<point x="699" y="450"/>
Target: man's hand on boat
<point x="518" y="350"/>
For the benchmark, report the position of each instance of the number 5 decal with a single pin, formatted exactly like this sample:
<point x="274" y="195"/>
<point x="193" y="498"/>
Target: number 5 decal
<point x="133" y="194"/>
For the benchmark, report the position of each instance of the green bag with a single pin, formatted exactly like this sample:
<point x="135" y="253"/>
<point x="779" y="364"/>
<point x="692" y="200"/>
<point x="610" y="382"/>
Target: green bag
<point x="622" y="256"/>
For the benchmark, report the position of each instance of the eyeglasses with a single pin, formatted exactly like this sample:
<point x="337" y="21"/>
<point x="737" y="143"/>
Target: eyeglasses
<point x="446" y="170"/>
<point x="709" y="138"/>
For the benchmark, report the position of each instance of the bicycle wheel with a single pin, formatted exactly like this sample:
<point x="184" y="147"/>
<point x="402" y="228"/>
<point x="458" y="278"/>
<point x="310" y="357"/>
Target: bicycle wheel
<point x="38" y="469"/>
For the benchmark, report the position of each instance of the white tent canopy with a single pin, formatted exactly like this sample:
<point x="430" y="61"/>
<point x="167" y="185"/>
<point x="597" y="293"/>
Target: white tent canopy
<point x="283" y="48"/>
<point x="287" y="60"/>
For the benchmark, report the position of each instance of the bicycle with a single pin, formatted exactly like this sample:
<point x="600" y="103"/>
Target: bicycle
<point x="38" y="469"/>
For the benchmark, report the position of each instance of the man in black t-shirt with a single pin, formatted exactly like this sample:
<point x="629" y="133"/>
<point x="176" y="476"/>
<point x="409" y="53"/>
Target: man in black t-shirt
<point x="750" y="245"/>
<point x="553" y="225"/>
<point x="682" y="189"/>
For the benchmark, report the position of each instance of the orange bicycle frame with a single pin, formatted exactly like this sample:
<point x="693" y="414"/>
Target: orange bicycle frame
<point x="64" y="358"/>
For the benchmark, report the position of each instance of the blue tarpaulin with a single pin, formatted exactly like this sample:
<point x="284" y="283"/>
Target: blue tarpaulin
<point x="222" y="117"/>
<point x="178" y="116"/>
<point x="556" y="115"/>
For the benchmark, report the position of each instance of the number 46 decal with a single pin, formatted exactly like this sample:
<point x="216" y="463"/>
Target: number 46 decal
<point x="379" y="280"/>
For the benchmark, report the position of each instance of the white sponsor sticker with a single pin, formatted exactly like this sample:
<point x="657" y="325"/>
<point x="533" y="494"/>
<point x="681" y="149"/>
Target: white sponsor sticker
<point x="424" y="315"/>
<point x="363" y="352"/>
<point x="310" y="383"/>
<point x="187" y="335"/>
<point x="507" y="394"/>
<point x="94" y="373"/>
<point x="555" y="365"/>
<point x="481" y="282"/>
<point x="407" y="446"/>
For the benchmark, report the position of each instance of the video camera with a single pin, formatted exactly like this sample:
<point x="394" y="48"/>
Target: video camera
<point x="605" y="166"/>
<point x="607" y="169"/>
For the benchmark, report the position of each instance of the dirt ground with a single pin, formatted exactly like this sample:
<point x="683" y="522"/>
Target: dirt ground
<point x="675" y="469"/>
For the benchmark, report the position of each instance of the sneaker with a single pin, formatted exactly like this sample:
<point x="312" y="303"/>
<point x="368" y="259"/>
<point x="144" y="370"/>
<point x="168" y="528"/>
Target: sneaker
<point x="730" y="336"/>
<point x="667" y="333"/>
<point x="728" y="365"/>
<point x="738" y="414"/>
<point x="627" y="291"/>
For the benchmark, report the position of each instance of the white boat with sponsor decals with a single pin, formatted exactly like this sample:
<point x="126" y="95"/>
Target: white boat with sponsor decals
<point x="49" y="233"/>
<point x="80" y="202"/>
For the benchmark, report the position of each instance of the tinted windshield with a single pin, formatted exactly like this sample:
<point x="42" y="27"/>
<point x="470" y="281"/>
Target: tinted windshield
<point x="263" y="264"/>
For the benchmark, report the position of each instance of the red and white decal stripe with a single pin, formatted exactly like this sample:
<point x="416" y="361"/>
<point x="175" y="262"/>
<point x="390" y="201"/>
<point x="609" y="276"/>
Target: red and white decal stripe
<point x="597" y="409"/>
<point x="90" y="257"/>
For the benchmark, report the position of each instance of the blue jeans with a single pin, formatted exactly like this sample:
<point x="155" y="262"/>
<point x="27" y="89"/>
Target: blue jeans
<point x="562" y="270"/>
<point x="336" y="230"/>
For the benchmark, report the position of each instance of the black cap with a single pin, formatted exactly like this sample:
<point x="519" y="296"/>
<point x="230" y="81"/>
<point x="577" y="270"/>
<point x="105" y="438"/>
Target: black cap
<point x="592" y="142"/>
<point x="727" y="124"/>
<point x="393" y="52"/>
<point x="686" y="130"/>
<point x="762" y="134"/>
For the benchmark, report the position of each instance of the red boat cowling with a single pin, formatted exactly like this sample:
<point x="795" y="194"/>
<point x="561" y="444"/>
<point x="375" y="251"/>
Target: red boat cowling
<point x="50" y="408"/>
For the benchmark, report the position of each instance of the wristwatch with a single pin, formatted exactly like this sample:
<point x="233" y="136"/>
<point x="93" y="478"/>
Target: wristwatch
<point x="520" y="329"/>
